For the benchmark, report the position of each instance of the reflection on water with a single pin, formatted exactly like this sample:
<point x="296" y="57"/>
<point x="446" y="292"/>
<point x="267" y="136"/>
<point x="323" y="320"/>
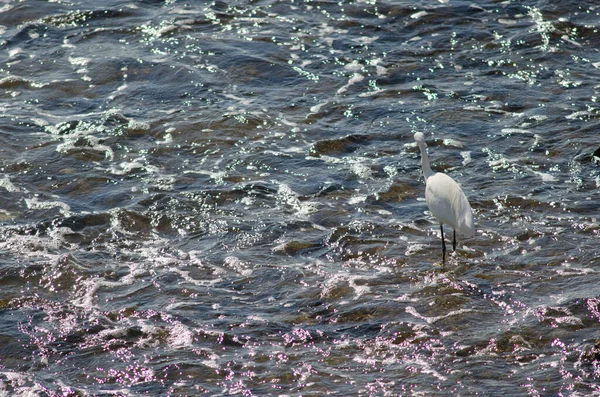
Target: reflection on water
<point x="225" y="198"/>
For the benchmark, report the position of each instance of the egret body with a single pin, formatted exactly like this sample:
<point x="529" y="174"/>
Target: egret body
<point x="445" y="200"/>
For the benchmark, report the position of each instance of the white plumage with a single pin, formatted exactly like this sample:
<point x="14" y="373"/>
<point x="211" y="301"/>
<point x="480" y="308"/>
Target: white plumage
<point x="445" y="199"/>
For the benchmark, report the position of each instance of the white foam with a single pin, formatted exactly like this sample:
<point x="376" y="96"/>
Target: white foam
<point x="180" y="336"/>
<point x="453" y="142"/>
<point x="19" y="385"/>
<point x="316" y="108"/>
<point x="466" y="155"/>
<point x="370" y="93"/>
<point x="546" y="177"/>
<point x="136" y="125"/>
<point x="79" y="61"/>
<point x="238" y="265"/>
<point x="361" y="170"/>
<point x="335" y="280"/>
<point x="419" y="14"/>
<point x="34" y="203"/>
<point x="509" y="131"/>
<point x="71" y="144"/>
<point x="357" y="199"/>
<point x="430" y="320"/>
<point x="6" y="183"/>
<point x="355" y="78"/>
<point x="88" y="290"/>
<point x="353" y="66"/>
<point x="414" y="248"/>
<point x="127" y="167"/>
<point x="286" y="196"/>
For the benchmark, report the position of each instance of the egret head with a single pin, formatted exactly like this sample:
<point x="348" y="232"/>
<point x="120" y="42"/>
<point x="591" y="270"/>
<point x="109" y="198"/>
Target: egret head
<point x="419" y="137"/>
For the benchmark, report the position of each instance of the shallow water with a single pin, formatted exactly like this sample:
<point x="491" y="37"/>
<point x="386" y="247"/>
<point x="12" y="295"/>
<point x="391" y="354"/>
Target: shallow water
<point x="225" y="198"/>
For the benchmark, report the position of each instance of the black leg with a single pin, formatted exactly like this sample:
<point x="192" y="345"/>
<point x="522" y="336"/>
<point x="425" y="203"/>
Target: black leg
<point x="454" y="241"/>
<point x="443" y="244"/>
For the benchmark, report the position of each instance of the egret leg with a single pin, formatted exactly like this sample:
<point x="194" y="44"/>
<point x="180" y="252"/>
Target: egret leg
<point x="443" y="244"/>
<point x="454" y="241"/>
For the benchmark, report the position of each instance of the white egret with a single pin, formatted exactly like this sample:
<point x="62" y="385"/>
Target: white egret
<point x="445" y="199"/>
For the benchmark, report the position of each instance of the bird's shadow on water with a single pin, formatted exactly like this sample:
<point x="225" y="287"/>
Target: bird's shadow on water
<point x="458" y="273"/>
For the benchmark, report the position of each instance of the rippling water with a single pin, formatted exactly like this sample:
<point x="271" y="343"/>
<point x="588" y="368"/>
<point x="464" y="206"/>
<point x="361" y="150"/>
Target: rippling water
<point x="225" y="198"/>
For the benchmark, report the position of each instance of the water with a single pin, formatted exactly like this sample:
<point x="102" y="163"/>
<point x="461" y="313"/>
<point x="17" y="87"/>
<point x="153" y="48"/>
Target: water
<point x="225" y="198"/>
